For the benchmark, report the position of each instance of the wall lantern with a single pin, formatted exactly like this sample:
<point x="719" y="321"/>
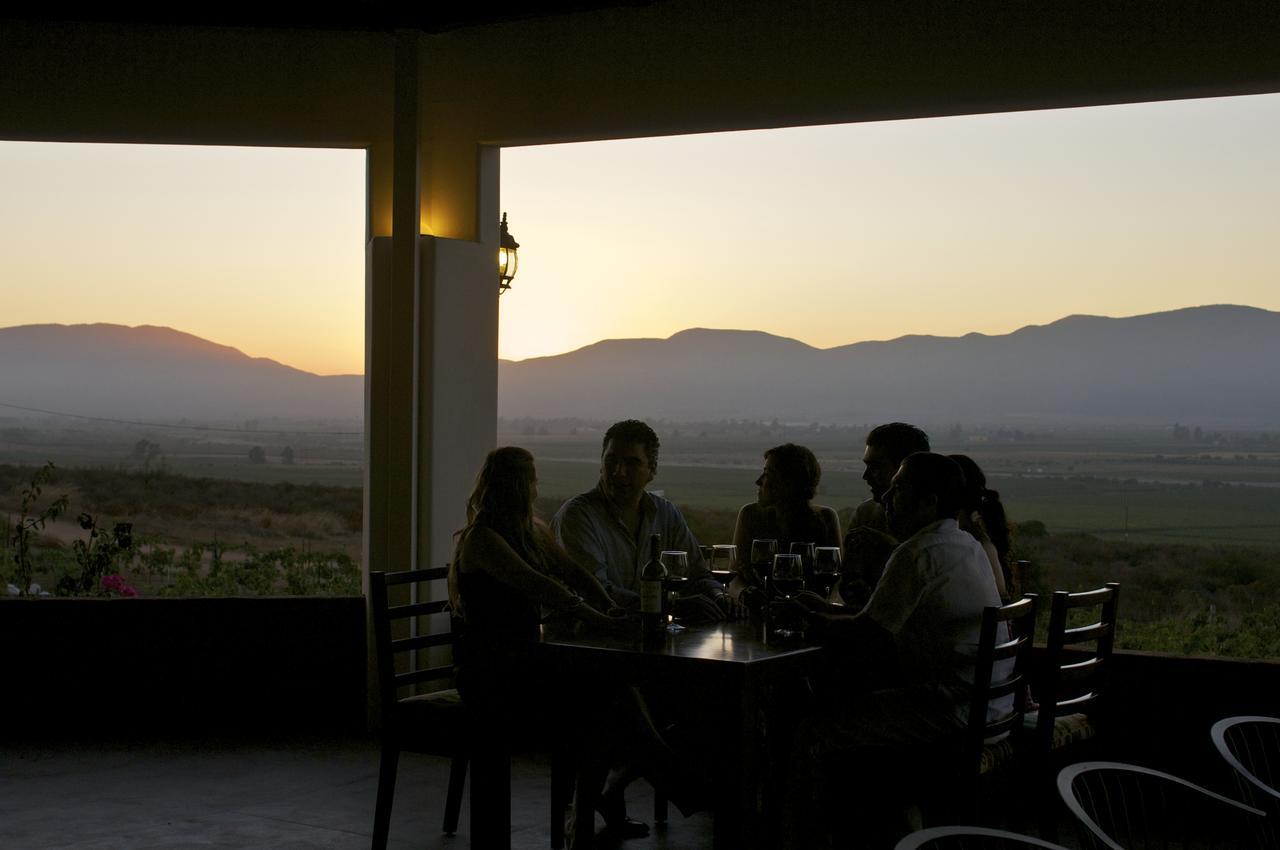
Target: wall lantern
<point x="507" y="256"/>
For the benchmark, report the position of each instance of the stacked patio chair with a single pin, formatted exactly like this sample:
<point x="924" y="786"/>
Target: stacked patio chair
<point x="1126" y="807"/>
<point x="1250" y="745"/>
<point x="972" y="838"/>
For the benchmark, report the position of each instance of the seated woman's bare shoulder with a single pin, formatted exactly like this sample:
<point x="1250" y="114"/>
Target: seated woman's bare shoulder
<point x="832" y="534"/>
<point x="749" y="515"/>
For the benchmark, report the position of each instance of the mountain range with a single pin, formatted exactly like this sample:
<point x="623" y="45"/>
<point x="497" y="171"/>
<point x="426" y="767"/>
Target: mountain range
<point x="1217" y="365"/>
<point x="156" y="373"/>
<point x="1213" y="365"/>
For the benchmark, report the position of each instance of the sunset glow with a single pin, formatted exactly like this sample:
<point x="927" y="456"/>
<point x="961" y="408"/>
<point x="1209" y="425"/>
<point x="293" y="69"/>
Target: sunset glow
<point x="830" y="235"/>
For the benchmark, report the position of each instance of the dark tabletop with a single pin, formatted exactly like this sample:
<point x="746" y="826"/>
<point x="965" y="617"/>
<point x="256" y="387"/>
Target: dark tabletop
<point x="731" y="643"/>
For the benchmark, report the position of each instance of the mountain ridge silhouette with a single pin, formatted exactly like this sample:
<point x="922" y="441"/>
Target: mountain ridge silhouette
<point x="1211" y="365"/>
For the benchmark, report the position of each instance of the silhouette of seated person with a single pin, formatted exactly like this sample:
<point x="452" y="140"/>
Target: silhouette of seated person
<point x="508" y="571"/>
<point x="783" y="511"/>
<point x="869" y="540"/>
<point x="607" y="529"/>
<point x="982" y="515"/>
<point x="902" y="666"/>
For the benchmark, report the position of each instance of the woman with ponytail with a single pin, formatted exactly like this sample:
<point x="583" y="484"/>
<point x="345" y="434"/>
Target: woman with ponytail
<point x="983" y="517"/>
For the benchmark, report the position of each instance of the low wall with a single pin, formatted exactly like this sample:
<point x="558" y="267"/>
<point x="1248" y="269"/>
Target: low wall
<point x="105" y="667"/>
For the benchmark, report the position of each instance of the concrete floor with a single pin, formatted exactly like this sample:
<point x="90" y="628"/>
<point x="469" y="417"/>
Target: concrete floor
<point x="282" y="795"/>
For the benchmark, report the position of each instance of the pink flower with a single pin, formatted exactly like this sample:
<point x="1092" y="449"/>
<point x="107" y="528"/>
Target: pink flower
<point x="115" y="584"/>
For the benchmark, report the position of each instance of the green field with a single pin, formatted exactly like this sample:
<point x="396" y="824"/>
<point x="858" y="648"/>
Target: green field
<point x="1110" y="509"/>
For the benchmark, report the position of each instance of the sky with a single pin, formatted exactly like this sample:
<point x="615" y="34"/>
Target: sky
<point x="830" y="235"/>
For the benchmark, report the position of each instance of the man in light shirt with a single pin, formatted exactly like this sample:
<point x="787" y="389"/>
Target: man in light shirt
<point x="607" y="529"/>
<point x="921" y="624"/>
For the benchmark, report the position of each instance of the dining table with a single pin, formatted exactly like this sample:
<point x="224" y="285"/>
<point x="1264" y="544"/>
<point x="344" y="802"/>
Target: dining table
<point x="735" y="666"/>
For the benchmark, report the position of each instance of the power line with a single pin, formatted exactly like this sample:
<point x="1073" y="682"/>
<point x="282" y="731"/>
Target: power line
<point x="181" y="427"/>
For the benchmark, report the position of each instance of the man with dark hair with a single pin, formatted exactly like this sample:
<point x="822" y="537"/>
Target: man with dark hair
<point x="607" y="529"/>
<point x="869" y="540"/>
<point x="923" y="617"/>
<point x="887" y="447"/>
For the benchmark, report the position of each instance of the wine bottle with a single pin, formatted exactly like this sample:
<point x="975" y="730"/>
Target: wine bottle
<point x="651" y="576"/>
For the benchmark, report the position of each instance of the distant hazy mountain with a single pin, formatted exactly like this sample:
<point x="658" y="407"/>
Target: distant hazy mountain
<point x="1213" y="366"/>
<point x="153" y="373"/>
<point x="1217" y="365"/>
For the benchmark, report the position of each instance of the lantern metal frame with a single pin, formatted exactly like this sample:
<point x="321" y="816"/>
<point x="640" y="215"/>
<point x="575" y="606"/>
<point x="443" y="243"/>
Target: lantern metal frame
<point x="508" y="256"/>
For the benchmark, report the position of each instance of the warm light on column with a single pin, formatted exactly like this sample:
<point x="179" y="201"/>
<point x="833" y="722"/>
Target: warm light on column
<point x="508" y="259"/>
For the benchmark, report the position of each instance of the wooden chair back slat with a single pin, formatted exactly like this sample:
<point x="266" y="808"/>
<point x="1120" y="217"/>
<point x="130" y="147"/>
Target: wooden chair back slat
<point x="408" y="576"/>
<point x="421" y="642"/>
<point x="1085" y="634"/>
<point x="418" y="609"/>
<point x="1081" y="673"/>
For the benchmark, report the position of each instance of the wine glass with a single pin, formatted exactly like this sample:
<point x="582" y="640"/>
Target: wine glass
<point x="677" y="564"/>
<point x="762" y="552"/>
<point x="724" y="562"/>
<point x="788" y="574"/>
<point x="786" y="580"/>
<point x="826" y="567"/>
<point x="805" y="551"/>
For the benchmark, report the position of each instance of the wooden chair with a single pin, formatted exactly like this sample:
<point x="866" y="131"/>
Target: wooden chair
<point x="435" y="722"/>
<point x="1123" y="806"/>
<point x="949" y="779"/>
<point x="946" y="781"/>
<point x="990" y="745"/>
<point x="1075" y="667"/>
<point x="1250" y="745"/>
<point x="971" y="838"/>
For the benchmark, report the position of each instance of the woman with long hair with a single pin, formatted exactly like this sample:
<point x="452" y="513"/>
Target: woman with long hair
<point x="507" y="571"/>
<point x="983" y="517"/>
<point x="507" y="568"/>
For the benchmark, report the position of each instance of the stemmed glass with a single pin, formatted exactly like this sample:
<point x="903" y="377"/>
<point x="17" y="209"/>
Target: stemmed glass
<point x="762" y="552"/>
<point x="826" y="568"/>
<point x="805" y="551"/>
<point x="677" y="564"/>
<point x="724" y="561"/>
<point x="785" y="582"/>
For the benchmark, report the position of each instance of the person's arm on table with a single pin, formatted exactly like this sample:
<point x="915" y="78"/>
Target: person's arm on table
<point x="571" y="572"/>
<point x="706" y="599"/>
<point x="857" y="634"/>
<point x="485" y="551"/>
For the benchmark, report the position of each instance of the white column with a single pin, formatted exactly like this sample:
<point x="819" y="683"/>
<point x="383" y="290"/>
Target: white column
<point x="457" y="368"/>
